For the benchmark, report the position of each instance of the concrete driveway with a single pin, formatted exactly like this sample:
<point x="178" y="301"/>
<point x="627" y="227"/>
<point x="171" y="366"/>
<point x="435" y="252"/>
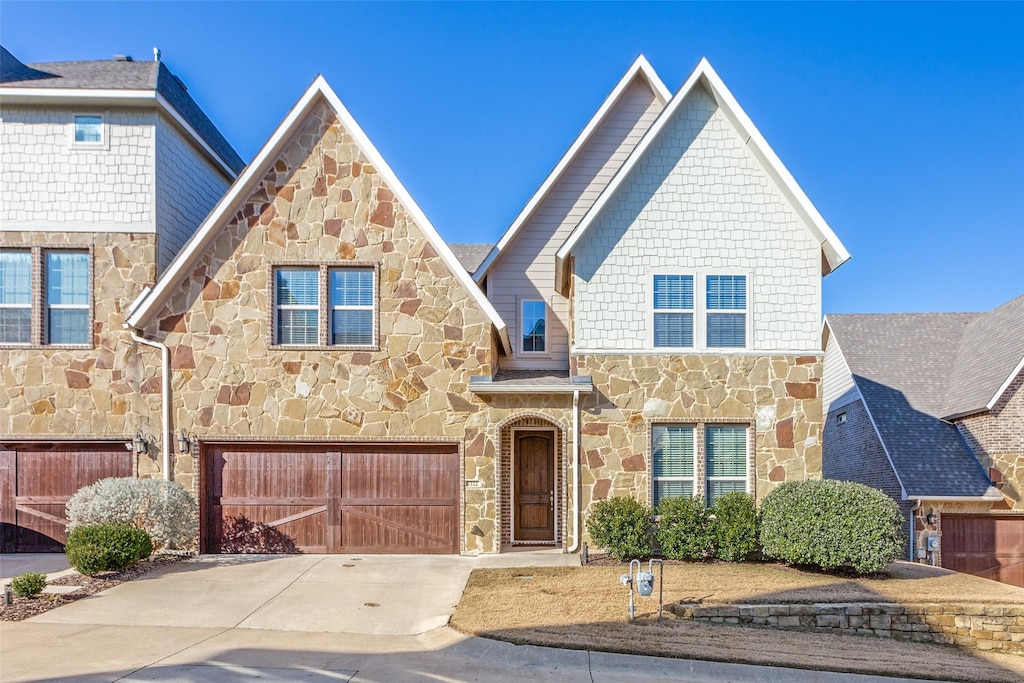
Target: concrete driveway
<point x="315" y="618"/>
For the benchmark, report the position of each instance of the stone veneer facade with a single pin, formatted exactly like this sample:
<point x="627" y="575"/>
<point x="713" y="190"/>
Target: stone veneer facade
<point x="93" y="390"/>
<point x="323" y="203"/>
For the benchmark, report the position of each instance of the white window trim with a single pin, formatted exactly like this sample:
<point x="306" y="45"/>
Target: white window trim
<point x="512" y="484"/>
<point x="27" y="307"/>
<point x="546" y="353"/>
<point x="700" y="311"/>
<point x="104" y="142"/>
<point x="296" y="307"/>
<point x="693" y="479"/>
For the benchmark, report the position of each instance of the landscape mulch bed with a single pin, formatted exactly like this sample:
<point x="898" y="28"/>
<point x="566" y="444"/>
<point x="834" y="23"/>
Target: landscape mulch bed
<point x="23" y="608"/>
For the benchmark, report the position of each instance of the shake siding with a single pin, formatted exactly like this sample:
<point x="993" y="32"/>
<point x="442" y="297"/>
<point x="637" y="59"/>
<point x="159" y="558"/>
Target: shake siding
<point x="526" y="269"/>
<point x="837" y="384"/>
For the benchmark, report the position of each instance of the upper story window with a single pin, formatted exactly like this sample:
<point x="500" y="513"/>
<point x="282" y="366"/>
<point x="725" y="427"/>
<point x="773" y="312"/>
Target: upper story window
<point x="59" y="299"/>
<point x="680" y="322"/>
<point x="726" y="311"/>
<point x="15" y="296"/>
<point x="88" y="131"/>
<point x="676" y="469"/>
<point x="673" y="311"/>
<point x="345" y="317"/>
<point x="534" y="327"/>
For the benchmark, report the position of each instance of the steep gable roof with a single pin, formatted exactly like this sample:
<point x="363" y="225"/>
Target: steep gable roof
<point x="203" y="238"/>
<point x="640" y="69"/>
<point x="833" y="252"/>
<point x="901" y="364"/>
<point x="471" y="255"/>
<point x="115" y="78"/>
<point x="990" y="358"/>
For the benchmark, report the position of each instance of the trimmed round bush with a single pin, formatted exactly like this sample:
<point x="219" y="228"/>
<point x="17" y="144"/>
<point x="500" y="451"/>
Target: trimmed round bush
<point x="164" y="509"/>
<point x="621" y="526"/>
<point x="734" y="526"/>
<point x="685" y="531"/>
<point x="106" y="547"/>
<point x="831" y="524"/>
<point x="28" y="585"/>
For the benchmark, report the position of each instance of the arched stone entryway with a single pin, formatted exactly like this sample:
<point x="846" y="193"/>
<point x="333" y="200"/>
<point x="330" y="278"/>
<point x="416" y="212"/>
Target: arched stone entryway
<point x="531" y="468"/>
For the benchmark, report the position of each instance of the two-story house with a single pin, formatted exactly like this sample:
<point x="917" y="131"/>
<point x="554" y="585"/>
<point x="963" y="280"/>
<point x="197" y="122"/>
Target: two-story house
<point x="106" y="169"/>
<point x="648" y="326"/>
<point x="928" y="407"/>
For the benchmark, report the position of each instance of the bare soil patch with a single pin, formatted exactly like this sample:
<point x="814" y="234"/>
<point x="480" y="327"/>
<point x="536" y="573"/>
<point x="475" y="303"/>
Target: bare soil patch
<point x="585" y="608"/>
<point x="23" y="608"/>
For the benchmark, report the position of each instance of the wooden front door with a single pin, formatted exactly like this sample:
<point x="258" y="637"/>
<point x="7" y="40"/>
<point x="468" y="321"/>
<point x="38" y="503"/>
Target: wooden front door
<point x="36" y="482"/>
<point x="534" y="479"/>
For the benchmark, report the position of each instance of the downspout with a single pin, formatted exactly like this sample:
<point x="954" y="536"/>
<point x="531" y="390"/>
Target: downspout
<point x="165" y="390"/>
<point x="575" y="473"/>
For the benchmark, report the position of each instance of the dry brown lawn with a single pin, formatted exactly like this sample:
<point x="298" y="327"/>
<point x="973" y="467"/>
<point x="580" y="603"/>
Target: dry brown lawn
<point x="585" y="608"/>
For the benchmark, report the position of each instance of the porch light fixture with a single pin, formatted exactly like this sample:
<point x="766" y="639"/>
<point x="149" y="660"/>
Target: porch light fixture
<point x="185" y="441"/>
<point x="930" y="518"/>
<point x="140" y="443"/>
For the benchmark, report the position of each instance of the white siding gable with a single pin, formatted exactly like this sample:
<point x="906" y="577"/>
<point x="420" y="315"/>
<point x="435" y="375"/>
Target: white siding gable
<point x="525" y="269"/>
<point x="700" y="202"/>
<point x="837" y="386"/>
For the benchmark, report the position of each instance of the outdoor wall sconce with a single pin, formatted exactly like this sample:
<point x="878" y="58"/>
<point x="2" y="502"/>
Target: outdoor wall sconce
<point x="930" y="518"/>
<point x="185" y="441"/>
<point x="141" y="446"/>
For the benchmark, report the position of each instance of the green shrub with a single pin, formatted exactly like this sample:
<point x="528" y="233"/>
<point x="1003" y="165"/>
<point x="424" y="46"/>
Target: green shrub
<point x="29" y="584"/>
<point x="831" y="524"/>
<point x="684" y="529"/>
<point x="622" y="527"/>
<point x="734" y="526"/>
<point x="106" y="547"/>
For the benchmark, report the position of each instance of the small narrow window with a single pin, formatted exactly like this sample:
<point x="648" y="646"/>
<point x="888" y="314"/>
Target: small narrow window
<point x="673" y="311"/>
<point x="534" y="327"/>
<point x="297" y="298"/>
<point x="352" y="300"/>
<point x="88" y="129"/>
<point x="726" y="451"/>
<point x="67" y="297"/>
<point x="673" y="471"/>
<point x="726" y="311"/>
<point x="15" y="296"/>
<point x="841" y="418"/>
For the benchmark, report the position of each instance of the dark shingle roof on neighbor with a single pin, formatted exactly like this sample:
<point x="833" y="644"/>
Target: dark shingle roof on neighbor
<point x="471" y="255"/>
<point x="119" y="75"/>
<point x="914" y="370"/>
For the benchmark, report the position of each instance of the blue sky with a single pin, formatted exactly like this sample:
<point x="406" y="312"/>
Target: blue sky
<point x="904" y="123"/>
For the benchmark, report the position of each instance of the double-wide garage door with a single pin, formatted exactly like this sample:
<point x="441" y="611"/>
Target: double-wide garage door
<point x="326" y="498"/>
<point x="991" y="546"/>
<point x="36" y="482"/>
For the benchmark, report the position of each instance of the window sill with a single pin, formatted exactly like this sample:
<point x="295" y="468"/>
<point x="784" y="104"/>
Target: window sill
<point x="46" y="347"/>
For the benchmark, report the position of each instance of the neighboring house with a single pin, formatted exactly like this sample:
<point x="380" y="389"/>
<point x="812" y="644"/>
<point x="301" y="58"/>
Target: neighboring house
<point x="929" y="408"/>
<point x="648" y="326"/>
<point x="106" y="169"/>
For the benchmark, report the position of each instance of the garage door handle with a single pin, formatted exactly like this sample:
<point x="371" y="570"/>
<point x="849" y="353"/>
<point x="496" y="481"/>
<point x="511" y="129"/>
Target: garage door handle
<point x="551" y="499"/>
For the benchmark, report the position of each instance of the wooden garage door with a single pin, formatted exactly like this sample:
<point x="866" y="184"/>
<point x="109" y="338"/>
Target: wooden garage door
<point x="36" y="482"/>
<point x="985" y="545"/>
<point x="332" y="498"/>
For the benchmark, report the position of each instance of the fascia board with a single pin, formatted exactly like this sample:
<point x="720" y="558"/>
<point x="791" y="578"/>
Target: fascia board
<point x="76" y="95"/>
<point x="640" y="67"/>
<point x="835" y="252"/>
<point x="206" y="232"/>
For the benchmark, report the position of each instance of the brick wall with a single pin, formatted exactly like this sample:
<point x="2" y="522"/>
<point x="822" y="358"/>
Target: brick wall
<point x="698" y="203"/>
<point x="997" y="439"/>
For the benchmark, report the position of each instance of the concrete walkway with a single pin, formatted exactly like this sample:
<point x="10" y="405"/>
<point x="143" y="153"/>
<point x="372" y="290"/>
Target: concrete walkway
<point x="357" y="618"/>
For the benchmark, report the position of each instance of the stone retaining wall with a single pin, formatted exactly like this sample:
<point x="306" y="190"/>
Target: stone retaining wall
<point x="984" y="627"/>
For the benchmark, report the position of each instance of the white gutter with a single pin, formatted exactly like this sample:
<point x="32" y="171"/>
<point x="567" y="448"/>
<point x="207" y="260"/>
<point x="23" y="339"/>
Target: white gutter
<point x="575" y="473"/>
<point x="957" y="499"/>
<point x="165" y="390"/>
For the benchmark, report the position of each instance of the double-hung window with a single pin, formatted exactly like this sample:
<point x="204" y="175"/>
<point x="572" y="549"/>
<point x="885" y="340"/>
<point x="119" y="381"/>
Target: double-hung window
<point x="726" y="308"/>
<point x="673" y="311"/>
<point x="324" y="306"/>
<point x="45" y="296"/>
<point x="677" y="468"/>
<point x="534" y="324"/>
<point x="15" y="296"/>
